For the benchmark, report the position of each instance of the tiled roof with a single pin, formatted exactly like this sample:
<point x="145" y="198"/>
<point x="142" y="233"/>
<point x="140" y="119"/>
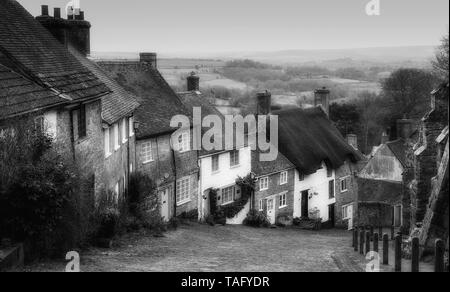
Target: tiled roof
<point x="19" y="95"/>
<point x="261" y="168"/>
<point x="40" y="57"/>
<point x="116" y="105"/>
<point x="398" y="147"/>
<point x="308" y="138"/>
<point x="158" y="102"/>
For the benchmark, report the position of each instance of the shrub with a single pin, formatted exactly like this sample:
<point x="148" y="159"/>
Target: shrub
<point x="37" y="193"/>
<point x="256" y="219"/>
<point x="109" y="222"/>
<point x="143" y="202"/>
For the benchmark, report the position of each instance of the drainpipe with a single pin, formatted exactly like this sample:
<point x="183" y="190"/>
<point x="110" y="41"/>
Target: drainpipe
<point x="175" y="184"/>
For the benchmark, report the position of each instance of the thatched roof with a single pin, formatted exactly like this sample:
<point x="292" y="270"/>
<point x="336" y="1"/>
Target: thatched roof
<point x="308" y="138"/>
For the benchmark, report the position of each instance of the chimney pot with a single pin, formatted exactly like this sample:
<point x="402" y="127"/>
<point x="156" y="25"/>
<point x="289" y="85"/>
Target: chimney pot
<point x="352" y="140"/>
<point x="149" y="59"/>
<point x="44" y="9"/>
<point x="193" y="82"/>
<point x="384" y="138"/>
<point x="405" y="128"/>
<point x="264" y="103"/>
<point x="57" y="13"/>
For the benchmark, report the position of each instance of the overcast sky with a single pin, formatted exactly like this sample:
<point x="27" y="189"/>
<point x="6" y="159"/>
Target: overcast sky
<point x="170" y="26"/>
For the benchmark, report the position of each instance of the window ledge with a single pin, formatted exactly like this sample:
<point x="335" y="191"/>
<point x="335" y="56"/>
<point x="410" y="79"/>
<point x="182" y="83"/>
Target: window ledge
<point x="147" y="162"/>
<point x="235" y="166"/>
<point x="215" y="172"/>
<point x="344" y="191"/>
<point x="263" y="189"/>
<point x="227" y="203"/>
<point x="282" y="207"/>
<point x="282" y="184"/>
<point x="183" y="202"/>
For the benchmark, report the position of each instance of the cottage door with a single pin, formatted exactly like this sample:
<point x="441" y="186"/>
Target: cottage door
<point x="304" y="204"/>
<point x="350" y="217"/>
<point x="271" y="210"/>
<point x="398" y="215"/>
<point x="164" y="197"/>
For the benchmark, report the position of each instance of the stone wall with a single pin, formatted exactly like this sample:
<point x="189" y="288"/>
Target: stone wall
<point x="375" y="214"/>
<point x="168" y="166"/>
<point x="274" y="189"/>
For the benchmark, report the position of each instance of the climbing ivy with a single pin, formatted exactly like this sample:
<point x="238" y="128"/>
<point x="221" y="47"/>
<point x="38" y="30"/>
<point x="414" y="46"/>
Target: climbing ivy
<point x="220" y="213"/>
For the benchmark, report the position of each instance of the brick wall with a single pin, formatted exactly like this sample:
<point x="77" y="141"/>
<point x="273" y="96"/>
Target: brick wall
<point x="347" y="197"/>
<point x="374" y="213"/>
<point x="274" y="189"/>
<point x="165" y="168"/>
<point x="426" y="162"/>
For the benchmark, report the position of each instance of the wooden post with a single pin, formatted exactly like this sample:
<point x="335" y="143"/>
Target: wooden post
<point x="371" y="232"/>
<point x="398" y="253"/>
<point x="355" y="235"/>
<point x="361" y="241"/>
<point x="415" y="254"/>
<point x="367" y="242"/>
<point x="386" y="249"/>
<point x="392" y="232"/>
<point x="439" y="256"/>
<point x="375" y="242"/>
<point x="380" y="232"/>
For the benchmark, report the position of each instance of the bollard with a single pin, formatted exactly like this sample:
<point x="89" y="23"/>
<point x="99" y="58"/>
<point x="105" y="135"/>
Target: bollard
<point x="439" y="256"/>
<point x="392" y="232"/>
<point x="361" y="242"/>
<point x="371" y="232"/>
<point x="375" y="242"/>
<point x="386" y="249"/>
<point x="380" y="232"/>
<point x="415" y="254"/>
<point x="398" y="253"/>
<point x="367" y="242"/>
<point x="356" y="234"/>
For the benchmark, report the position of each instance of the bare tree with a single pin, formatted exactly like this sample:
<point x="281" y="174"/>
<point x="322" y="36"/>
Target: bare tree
<point x="440" y="64"/>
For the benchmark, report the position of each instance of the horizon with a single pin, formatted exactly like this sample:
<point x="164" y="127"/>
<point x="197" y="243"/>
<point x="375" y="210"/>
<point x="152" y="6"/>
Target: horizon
<point x="257" y="26"/>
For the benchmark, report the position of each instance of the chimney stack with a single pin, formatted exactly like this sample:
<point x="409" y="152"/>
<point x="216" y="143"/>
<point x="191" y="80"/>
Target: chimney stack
<point x="44" y="9"/>
<point x="74" y="31"/>
<point x="384" y="138"/>
<point x="193" y="82"/>
<point x="149" y="59"/>
<point x="405" y="128"/>
<point x="264" y="103"/>
<point x="352" y="140"/>
<point x="322" y="98"/>
<point x="57" y="13"/>
<point x="55" y="25"/>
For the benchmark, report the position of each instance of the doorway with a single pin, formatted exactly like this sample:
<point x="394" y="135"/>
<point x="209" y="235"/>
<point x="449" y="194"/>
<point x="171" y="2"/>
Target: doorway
<point x="331" y="215"/>
<point x="398" y="215"/>
<point x="271" y="210"/>
<point x="304" y="204"/>
<point x="164" y="199"/>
